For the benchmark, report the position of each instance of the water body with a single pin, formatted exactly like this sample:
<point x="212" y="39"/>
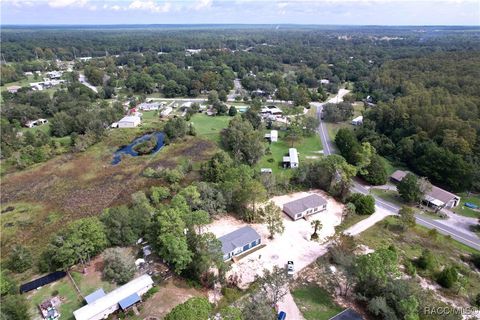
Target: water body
<point x="128" y="149"/>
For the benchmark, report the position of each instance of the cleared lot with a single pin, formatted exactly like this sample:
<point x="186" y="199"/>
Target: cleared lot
<point x="294" y="244"/>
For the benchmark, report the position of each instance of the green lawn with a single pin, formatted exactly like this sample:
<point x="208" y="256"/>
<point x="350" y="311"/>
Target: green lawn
<point x="388" y="195"/>
<point x="71" y="301"/>
<point x="209" y="127"/>
<point x="464" y="211"/>
<point x="308" y="148"/>
<point x="315" y="303"/>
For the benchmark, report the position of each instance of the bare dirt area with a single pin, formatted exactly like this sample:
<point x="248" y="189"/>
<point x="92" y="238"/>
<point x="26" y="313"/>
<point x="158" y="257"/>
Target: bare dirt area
<point x="294" y="244"/>
<point x="172" y="293"/>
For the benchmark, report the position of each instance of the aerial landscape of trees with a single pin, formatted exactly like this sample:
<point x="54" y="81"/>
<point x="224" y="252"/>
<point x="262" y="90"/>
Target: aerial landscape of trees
<point x="420" y="103"/>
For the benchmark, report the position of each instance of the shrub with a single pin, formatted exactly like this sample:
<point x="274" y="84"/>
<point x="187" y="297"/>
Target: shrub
<point x="192" y="309"/>
<point x="476" y="260"/>
<point x="427" y="261"/>
<point x="20" y="260"/>
<point x="150" y="293"/>
<point x="410" y="268"/>
<point x="364" y="204"/>
<point x="119" y="266"/>
<point x="448" y="277"/>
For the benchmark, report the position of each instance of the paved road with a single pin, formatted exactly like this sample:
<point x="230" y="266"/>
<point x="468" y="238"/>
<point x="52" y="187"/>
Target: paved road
<point x="329" y="148"/>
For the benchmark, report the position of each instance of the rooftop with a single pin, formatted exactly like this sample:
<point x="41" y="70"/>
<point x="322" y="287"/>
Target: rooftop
<point x="112" y="298"/>
<point x="302" y="204"/>
<point x="238" y="238"/>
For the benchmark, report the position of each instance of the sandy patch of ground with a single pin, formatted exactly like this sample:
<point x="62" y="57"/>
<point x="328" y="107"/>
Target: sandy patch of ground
<point x="294" y="244"/>
<point x="363" y="225"/>
<point x="172" y="293"/>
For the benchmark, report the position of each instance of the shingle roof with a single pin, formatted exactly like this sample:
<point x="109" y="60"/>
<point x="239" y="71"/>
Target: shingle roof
<point x="442" y="195"/>
<point x="238" y="238"/>
<point x="398" y="175"/>
<point x="302" y="204"/>
<point x="434" y="193"/>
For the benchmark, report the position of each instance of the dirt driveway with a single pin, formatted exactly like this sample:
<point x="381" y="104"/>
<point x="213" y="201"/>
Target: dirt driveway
<point x="294" y="244"/>
<point x="171" y="293"/>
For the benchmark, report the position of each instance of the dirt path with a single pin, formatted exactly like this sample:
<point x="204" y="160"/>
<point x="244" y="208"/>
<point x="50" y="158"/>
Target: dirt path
<point x="172" y="293"/>
<point x="363" y="225"/>
<point x="289" y="306"/>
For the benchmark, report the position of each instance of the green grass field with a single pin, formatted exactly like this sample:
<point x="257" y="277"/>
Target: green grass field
<point x="208" y="127"/>
<point x="71" y="300"/>
<point x="315" y="303"/>
<point x="308" y="147"/>
<point x="467" y="212"/>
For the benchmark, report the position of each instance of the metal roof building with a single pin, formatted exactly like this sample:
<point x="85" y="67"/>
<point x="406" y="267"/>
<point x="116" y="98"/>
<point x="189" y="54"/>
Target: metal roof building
<point x="122" y="297"/>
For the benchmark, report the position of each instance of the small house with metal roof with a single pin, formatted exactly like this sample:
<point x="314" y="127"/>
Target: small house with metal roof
<point x="305" y="206"/>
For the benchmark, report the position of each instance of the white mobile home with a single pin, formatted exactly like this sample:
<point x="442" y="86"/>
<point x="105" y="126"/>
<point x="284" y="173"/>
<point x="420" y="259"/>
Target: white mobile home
<point x="101" y="305"/>
<point x="272" y="136"/>
<point x="291" y="161"/>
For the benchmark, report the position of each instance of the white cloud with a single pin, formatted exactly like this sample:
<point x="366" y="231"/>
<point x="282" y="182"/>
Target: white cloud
<point x="202" y="4"/>
<point x="150" y="5"/>
<point x="66" y="3"/>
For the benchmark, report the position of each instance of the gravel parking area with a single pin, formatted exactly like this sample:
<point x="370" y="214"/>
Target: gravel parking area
<point x="294" y="244"/>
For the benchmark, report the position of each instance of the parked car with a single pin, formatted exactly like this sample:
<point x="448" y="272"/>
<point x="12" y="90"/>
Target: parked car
<point x="282" y="315"/>
<point x="290" y="268"/>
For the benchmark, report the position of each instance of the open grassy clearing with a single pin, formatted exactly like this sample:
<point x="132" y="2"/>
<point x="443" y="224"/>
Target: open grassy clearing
<point x="208" y="127"/>
<point x="388" y="195"/>
<point x="308" y="148"/>
<point x="467" y="212"/>
<point x="314" y="302"/>
<point x="71" y="300"/>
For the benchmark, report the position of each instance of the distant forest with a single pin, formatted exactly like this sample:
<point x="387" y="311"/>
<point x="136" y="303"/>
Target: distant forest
<point x="424" y="82"/>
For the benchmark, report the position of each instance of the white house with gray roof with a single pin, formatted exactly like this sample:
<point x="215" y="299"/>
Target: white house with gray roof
<point x="239" y="241"/>
<point x="305" y="206"/>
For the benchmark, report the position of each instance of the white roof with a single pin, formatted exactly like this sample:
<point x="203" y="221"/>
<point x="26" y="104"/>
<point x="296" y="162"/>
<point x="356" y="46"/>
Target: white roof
<point x="130" y="119"/>
<point x="358" y="119"/>
<point x="112" y="298"/>
<point x="292" y="152"/>
<point x="274" y="133"/>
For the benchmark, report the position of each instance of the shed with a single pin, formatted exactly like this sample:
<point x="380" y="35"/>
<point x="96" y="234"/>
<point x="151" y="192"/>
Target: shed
<point x="238" y="241"/>
<point x="357" y="121"/>
<point x="305" y="206"/>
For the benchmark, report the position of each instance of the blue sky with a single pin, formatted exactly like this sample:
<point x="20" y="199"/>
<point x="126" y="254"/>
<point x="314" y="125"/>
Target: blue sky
<point x="356" y="12"/>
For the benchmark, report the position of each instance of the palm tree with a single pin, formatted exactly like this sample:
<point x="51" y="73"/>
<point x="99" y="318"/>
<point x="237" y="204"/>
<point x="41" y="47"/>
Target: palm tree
<point x="317" y="226"/>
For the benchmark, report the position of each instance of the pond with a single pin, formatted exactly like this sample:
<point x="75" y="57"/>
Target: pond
<point x="129" y="149"/>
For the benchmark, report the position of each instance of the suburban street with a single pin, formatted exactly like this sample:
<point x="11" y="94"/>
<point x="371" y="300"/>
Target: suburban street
<point x="442" y="226"/>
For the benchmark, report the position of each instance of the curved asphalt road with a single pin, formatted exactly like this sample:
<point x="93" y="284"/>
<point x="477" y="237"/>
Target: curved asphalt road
<point x="329" y="148"/>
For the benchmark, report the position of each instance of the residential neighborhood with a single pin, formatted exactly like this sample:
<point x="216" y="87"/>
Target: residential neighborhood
<point x="232" y="160"/>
